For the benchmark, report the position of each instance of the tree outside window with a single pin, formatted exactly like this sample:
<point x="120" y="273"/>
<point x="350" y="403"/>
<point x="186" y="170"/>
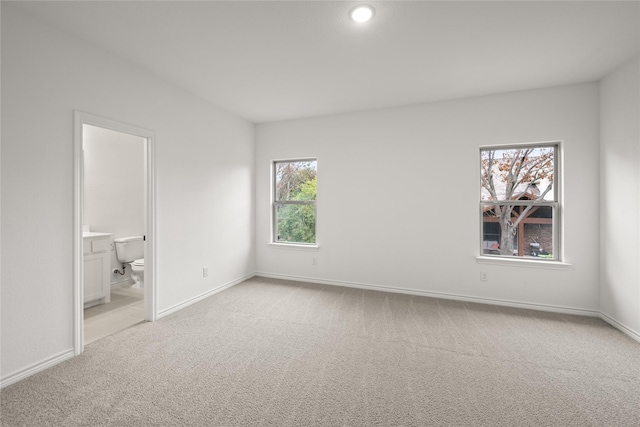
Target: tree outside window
<point x="519" y="200"/>
<point x="294" y="201"/>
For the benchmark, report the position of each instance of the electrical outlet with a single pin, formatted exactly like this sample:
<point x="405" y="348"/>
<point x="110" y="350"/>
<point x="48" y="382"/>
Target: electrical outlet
<point x="205" y="271"/>
<point x="484" y="277"/>
<point x="314" y="261"/>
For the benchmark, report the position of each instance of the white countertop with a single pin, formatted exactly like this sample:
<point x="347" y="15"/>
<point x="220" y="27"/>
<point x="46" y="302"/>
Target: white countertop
<point x="87" y="234"/>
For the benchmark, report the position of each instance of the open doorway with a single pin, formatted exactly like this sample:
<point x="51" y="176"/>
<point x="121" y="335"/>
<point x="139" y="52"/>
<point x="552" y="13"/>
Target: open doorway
<point x="112" y="231"/>
<point x="114" y="285"/>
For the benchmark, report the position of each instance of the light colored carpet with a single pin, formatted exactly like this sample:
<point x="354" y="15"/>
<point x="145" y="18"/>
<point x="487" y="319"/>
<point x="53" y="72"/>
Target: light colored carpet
<point x="274" y="353"/>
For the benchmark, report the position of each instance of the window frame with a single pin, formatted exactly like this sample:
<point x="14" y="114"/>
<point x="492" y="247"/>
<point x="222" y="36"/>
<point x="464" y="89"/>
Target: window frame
<point x="556" y="204"/>
<point x="275" y="204"/>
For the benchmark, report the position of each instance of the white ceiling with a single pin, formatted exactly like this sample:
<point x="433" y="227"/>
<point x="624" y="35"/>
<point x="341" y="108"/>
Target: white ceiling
<point x="269" y="61"/>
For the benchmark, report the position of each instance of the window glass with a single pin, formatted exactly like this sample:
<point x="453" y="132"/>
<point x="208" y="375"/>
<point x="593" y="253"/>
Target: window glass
<point x="519" y="201"/>
<point x="294" y="201"/>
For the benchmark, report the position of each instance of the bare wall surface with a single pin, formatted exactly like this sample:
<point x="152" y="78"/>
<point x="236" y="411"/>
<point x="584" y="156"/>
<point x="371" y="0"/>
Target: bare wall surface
<point x="620" y="196"/>
<point x="204" y="182"/>
<point x="113" y="181"/>
<point x="398" y="193"/>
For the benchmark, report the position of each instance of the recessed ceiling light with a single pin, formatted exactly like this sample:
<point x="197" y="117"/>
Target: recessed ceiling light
<point x="362" y="13"/>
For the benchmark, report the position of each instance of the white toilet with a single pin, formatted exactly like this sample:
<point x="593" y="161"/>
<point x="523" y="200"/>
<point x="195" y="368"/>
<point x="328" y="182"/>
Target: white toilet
<point x="131" y="250"/>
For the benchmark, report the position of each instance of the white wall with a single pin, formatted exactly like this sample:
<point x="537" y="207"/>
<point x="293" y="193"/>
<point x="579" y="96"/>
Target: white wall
<point x="114" y="187"/>
<point x="620" y="196"/>
<point x="204" y="182"/>
<point x="398" y="195"/>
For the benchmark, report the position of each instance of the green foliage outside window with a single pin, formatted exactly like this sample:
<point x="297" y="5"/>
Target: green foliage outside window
<point x="295" y="201"/>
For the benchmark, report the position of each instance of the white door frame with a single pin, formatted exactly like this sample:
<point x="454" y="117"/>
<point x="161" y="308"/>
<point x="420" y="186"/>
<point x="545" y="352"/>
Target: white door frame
<point x="150" y="294"/>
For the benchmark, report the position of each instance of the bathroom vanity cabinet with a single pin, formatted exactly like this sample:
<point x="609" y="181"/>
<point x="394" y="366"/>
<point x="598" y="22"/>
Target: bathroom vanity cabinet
<point x="96" y="279"/>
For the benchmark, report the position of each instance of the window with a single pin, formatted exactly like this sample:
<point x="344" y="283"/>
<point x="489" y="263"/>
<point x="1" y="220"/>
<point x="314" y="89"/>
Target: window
<point x="519" y="201"/>
<point x="294" y="201"/>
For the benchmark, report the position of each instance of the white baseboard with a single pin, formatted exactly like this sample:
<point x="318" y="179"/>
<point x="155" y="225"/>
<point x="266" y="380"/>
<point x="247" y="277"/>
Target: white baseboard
<point x="442" y="295"/>
<point x="54" y="360"/>
<point x="202" y="296"/>
<point x="61" y="357"/>
<point x="541" y="307"/>
<point x="36" y="367"/>
<point x="621" y="327"/>
<point x="122" y="284"/>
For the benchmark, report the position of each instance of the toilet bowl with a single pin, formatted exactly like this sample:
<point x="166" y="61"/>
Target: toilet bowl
<point x="130" y="250"/>
<point x="137" y="273"/>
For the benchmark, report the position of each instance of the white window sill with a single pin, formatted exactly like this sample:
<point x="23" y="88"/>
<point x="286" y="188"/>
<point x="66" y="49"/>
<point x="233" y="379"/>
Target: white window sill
<point x="523" y="262"/>
<point x="293" y="246"/>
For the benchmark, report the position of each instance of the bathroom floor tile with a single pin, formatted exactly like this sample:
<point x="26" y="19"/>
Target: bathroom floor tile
<point x="129" y="291"/>
<point x="114" y="305"/>
<point x="125" y="309"/>
<point x="116" y="296"/>
<point x="112" y="316"/>
<point x="99" y="330"/>
<point x="92" y="312"/>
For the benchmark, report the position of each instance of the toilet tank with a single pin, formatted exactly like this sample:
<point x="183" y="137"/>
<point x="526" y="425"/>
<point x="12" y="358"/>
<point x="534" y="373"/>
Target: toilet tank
<point x="129" y="249"/>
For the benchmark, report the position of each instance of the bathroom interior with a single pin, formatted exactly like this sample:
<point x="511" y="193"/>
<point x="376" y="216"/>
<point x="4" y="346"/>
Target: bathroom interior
<point x="113" y="231"/>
